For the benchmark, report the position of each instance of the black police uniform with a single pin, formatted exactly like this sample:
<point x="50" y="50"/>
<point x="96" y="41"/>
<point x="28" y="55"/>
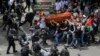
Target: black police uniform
<point x="64" y="52"/>
<point x="11" y="44"/>
<point x="28" y="4"/>
<point x="44" y="36"/>
<point x="35" y="38"/>
<point x="25" y="51"/>
<point x="36" y="47"/>
<point x="54" y="52"/>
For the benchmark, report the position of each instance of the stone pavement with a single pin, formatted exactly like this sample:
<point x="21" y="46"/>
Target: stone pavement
<point x="93" y="50"/>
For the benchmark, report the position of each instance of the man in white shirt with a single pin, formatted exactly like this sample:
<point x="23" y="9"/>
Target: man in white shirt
<point x="42" y="23"/>
<point x="10" y="4"/>
<point x="62" y="4"/>
<point x="57" y="6"/>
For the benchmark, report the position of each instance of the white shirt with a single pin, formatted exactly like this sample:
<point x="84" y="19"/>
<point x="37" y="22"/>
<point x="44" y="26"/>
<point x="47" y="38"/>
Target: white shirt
<point x="44" y="53"/>
<point x="66" y="2"/>
<point x="42" y="23"/>
<point x="83" y="28"/>
<point x="10" y="2"/>
<point x="57" y="6"/>
<point x="62" y="4"/>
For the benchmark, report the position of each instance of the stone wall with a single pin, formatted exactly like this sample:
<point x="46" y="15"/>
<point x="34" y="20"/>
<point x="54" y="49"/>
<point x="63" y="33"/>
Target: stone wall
<point x="44" y="4"/>
<point x="45" y="0"/>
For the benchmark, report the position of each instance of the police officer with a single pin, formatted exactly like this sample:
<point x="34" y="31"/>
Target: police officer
<point x="28" y="4"/>
<point x="25" y="50"/>
<point x="22" y="39"/>
<point x="54" y="51"/>
<point x="36" y="49"/>
<point x="44" y="36"/>
<point x="35" y="37"/>
<point x="65" y="52"/>
<point x="11" y="43"/>
<point x="19" y="12"/>
<point x="5" y="20"/>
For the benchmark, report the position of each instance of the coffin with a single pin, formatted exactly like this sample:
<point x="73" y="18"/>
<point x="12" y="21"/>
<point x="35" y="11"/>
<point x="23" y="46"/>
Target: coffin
<point x="58" y="17"/>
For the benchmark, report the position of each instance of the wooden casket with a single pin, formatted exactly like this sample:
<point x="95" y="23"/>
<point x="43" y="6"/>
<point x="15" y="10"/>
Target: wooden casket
<point x="58" y="17"/>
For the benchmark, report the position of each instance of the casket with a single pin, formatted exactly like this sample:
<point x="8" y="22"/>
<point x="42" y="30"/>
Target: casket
<point x="58" y="17"/>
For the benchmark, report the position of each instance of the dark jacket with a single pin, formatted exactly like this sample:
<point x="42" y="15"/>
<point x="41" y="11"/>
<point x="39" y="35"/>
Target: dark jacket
<point x="25" y="51"/>
<point x="78" y="33"/>
<point x="10" y="39"/>
<point x="64" y="53"/>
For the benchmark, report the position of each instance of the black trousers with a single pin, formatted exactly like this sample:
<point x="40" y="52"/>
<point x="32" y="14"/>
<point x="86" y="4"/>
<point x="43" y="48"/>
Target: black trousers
<point x="44" y="40"/>
<point x="11" y="45"/>
<point x="92" y="36"/>
<point x="28" y="5"/>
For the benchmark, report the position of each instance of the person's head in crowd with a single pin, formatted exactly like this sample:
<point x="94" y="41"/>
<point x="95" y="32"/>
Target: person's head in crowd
<point x="78" y="20"/>
<point x="95" y="15"/>
<point x="57" y="24"/>
<point x="75" y="15"/>
<point x="35" y="22"/>
<point x="91" y="16"/>
<point x="68" y="10"/>
<point x="23" y="37"/>
<point x="81" y="14"/>
<point x="12" y="31"/>
<point x="83" y="24"/>
<point x="43" y="30"/>
<point x="66" y="21"/>
<point x="26" y="44"/>
<point x="78" y="27"/>
<point x="75" y="4"/>
<point x="31" y="29"/>
<point x="66" y="47"/>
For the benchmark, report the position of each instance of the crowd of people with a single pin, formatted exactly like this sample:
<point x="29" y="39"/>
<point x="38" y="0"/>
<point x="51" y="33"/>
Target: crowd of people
<point x="78" y="31"/>
<point x="81" y="27"/>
